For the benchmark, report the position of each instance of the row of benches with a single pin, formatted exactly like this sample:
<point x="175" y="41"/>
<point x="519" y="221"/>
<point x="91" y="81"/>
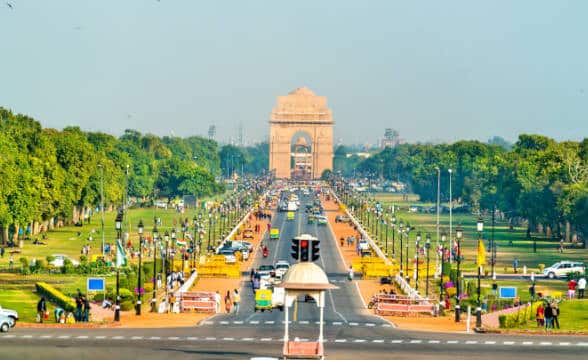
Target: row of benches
<point x="387" y="308"/>
<point x="197" y="301"/>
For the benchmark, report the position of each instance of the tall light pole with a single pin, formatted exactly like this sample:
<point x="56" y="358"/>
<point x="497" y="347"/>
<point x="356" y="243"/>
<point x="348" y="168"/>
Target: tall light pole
<point x="102" y="204"/>
<point x="427" y="247"/>
<point x="209" y="231"/>
<point x="140" y="228"/>
<point x="407" y="232"/>
<point x="401" y="234"/>
<point x="480" y="227"/>
<point x="450" y="209"/>
<point x="118" y="227"/>
<point x="442" y="255"/>
<point x="416" y="261"/>
<point x="166" y="265"/>
<point x="196" y="246"/>
<point x="155" y="235"/>
<point x="438" y="215"/>
<point x="458" y="235"/>
<point x="393" y="220"/>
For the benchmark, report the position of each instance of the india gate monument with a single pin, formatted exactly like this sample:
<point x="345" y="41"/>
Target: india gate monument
<point x="301" y="136"/>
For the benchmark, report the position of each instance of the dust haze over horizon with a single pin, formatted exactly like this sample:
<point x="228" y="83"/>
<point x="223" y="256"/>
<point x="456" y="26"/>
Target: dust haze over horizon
<point x="440" y="71"/>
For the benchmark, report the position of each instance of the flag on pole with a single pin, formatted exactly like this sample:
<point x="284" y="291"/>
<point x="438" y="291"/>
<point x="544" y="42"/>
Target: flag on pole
<point x="121" y="258"/>
<point x="180" y="242"/>
<point x="481" y="253"/>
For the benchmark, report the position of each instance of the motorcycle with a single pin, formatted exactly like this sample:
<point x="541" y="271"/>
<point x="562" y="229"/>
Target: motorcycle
<point x="265" y="252"/>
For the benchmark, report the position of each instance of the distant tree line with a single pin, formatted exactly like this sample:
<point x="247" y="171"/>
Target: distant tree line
<point x="49" y="177"/>
<point x="538" y="179"/>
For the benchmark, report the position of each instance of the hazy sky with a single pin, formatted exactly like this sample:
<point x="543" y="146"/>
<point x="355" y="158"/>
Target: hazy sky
<point x="441" y="70"/>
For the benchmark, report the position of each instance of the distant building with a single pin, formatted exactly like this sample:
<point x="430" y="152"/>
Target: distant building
<point x="391" y="139"/>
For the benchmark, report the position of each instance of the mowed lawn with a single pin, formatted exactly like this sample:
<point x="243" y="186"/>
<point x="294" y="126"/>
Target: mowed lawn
<point x="573" y="317"/>
<point x="23" y="300"/>
<point x="510" y="244"/>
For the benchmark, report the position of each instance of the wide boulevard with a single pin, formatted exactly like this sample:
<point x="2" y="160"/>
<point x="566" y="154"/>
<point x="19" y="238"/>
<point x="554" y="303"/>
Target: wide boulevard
<point x="350" y="329"/>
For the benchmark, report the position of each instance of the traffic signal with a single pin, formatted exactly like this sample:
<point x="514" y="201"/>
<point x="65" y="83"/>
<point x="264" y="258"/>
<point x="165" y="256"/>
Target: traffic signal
<point x="304" y="250"/>
<point x="314" y="250"/>
<point x="295" y="249"/>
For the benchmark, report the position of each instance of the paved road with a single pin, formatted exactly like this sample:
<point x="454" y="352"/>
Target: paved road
<point x="350" y="331"/>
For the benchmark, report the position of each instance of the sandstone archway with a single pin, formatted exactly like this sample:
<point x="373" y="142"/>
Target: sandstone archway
<point x="301" y="111"/>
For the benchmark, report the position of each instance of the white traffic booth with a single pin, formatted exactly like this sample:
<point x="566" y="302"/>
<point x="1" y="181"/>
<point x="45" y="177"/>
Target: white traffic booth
<point x="305" y="278"/>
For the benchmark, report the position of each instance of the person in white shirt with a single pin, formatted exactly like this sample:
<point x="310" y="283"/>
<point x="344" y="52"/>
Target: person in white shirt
<point x="581" y="287"/>
<point x="217" y="301"/>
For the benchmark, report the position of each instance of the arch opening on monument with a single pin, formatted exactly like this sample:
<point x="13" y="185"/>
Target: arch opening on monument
<point x="301" y="136"/>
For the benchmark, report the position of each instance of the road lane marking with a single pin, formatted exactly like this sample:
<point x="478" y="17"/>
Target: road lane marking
<point x="173" y="338"/>
<point x="46" y="336"/>
<point x="527" y="343"/>
<point x="224" y="322"/>
<point x="63" y="337"/>
<point x="337" y="323"/>
<point x="247" y="339"/>
<point x="359" y="340"/>
<point x="416" y="341"/>
<point x="545" y="343"/>
<point x="508" y="343"/>
<point x="582" y="344"/>
<point x="269" y="322"/>
<point x="353" y="324"/>
<point x="340" y="340"/>
<point x="452" y="342"/>
<point x="208" y="322"/>
<point x="228" y="338"/>
<point x="489" y="342"/>
<point x="254" y="322"/>
<point x="564" y="344"/>
<point x="379" y="341"/>
<point x="265" y="339"/>
<point x="469" y="342"/>
<point x="136" y="338"/>
<point x="396" y="341"/>
<point x="9" y="336"/>
<point x="28" y="336"/>
<point x="155" y="338"/>
<point x="434" y="341"/>
<point x="210" y="338"/>
<point x="386" y="325"/>
<point x="118" y="337"/>
<point x="303" y="322"/>
<point x="238" y="322"/>
<point x="82" y="337"/>
<point x="192" y="338"/>
<point x="370" y="324"/>
<point x="100" y="337"/>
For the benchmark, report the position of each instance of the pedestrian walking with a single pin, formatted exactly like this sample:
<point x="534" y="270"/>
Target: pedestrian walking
<point x="41" y="309"/>
<point x="252" y="274"/>
<point x="515" y="265"/>
<point x="555" y="314"/>
<point x="228" y="302"/>
<point x="532" y="291"/>
<point x="581" y="287"/>
<point x="350" y="273"/>
<point x="548" y="313"/>
<point x="86" y="316"/>
<point x="572" y="289"/>
<point x="217" y="301"/>
<point x="79" y="307"/>
<point x="11" y="262"/>
<point x="236" y="301"/>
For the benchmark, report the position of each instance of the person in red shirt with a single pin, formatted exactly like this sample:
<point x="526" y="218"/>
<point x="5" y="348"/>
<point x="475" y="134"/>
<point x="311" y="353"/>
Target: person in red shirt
<point x="572" y="289"/>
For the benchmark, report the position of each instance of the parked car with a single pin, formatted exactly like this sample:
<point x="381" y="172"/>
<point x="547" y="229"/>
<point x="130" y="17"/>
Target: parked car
<point x="11" y="314"/>
<point x="229" y="255"/>
<point x="281" y="268"/>
<point x="59" y="258"/>
<point x="563" y="268"/>
<point x="341" y="218"/>
<point x="5" y="323"/>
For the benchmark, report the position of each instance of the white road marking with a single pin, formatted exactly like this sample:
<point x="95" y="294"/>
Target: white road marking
<point x="208" y="322"/>
<point x="82" y="337"/>
<point x="118" y="337"/>
<point x="28" y="336"/>
<point x="238" y="322"/>
<point x="224" y="322"/>
<point x="155" y="338"/>
<point x="582" y="344"/>
<point x="247" y="339"/>
<point x="452" y="342"/>
<point x="353" y="324"/>
<point x="378" y="341"/>
<point x="508" y="343"/>
<point x="192" y="338"/>
<point x="303" y="322"/>
<point x="228" y="338"/>
<point x="359" y="340"/>
<point x="469" y="342"/>
<point x="63" y="337"/>
<point x="9" y="336"/>
<point x="434" y="341"/>
<point x="269" y="322"/>
<point x="340" y="340"/>
<point x="265" y="339"/>
<point x="100" y="337"/>
<point x="489" y="342"/>
<point x="136" y="338"/>
<point x="337" y="323"/>
<point x="527" y="343"/>
<point x="416" y="341"/>
<point x="396" y="341"/>
<point x="386" y="325"/>
<point x="370" y="324"/>
<point x="564" y="344"/>
<point x="254" y="322"/>
<point x="46" y="336"/>
<point x="546" y="343"/>
<point x="210" y="338"/>
<point x="173" y="338"/>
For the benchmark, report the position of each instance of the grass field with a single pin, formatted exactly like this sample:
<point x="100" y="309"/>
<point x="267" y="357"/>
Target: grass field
<point x="510" y="244"/>
<point x="573" y="318"/>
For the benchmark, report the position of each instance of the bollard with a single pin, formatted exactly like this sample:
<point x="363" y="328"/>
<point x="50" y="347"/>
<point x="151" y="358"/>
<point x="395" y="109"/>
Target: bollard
<point x="524" y="269"/>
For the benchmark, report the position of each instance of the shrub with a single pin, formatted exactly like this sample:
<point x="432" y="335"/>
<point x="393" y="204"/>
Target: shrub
<point x="127" y="305"/>
<point x="83" y="259"/>
<point x="148" y="286"/>
<point x="98" y="297"/>
<point x="68" y="267"/>
<point x="50" y="258"/>
<point x="56" y="296"/>
<point x="541" y="268"/>
<point x="502" y="321"/>
<point x="39" y="266"/>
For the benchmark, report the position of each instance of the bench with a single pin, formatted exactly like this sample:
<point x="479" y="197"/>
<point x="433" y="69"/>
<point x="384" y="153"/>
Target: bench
<point x="384" y="308"/>
<point x="202" y="306"/>
<point x="303" y="350"/>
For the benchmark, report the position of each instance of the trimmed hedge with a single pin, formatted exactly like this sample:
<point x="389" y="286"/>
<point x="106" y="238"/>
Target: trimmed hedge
<point x="519" y="318"/>
<point x="56" y="296"/>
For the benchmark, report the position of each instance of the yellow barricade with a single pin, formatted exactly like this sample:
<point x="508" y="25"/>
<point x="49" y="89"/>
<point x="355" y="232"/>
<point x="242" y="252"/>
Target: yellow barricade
<point x="217" y="267"/>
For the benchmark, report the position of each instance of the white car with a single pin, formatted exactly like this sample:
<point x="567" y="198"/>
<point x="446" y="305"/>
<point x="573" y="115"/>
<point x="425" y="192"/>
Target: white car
<point x="563" y="268"/>
<point x="281" y="267"/>
<point x="229" y="255"/>
<point x="11" y="314"/>
<point x="59" y="258"/>
<point x="364" y="245"/>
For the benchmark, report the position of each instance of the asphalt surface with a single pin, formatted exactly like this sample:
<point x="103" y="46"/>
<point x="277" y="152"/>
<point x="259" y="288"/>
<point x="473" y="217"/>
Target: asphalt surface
<point x="350" y="330"/>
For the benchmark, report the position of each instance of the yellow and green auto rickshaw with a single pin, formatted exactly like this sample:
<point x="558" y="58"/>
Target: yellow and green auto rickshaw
<point x="274" y="233"/>
<point x="291" y="215"/>
<point x="263" y="300"/>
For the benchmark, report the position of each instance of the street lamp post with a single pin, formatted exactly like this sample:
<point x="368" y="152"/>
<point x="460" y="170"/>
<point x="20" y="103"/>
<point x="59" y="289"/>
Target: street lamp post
<point x="196" y="246"/>
<point x="407" y="232"/>
<point x="427" y="247"/>
<point x="155" y="235"/>
<point x="442" y="255"/>
<point x="118" y="227"/>
<point x="140" y="228"/>
<point x="450" y="207"/>
<point x="393" y="220"/>
<point x="480" y="227"/>
<point x="209" y="231"/>
<point x="438" y="214"/>
<point x="458" y="235"/>
<point x="416" y="259"/>
<point x="386" y="226"/>
<point x="102" y="204"/>
<point x="401" y="234"/>
<point x="166" y="238"/>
